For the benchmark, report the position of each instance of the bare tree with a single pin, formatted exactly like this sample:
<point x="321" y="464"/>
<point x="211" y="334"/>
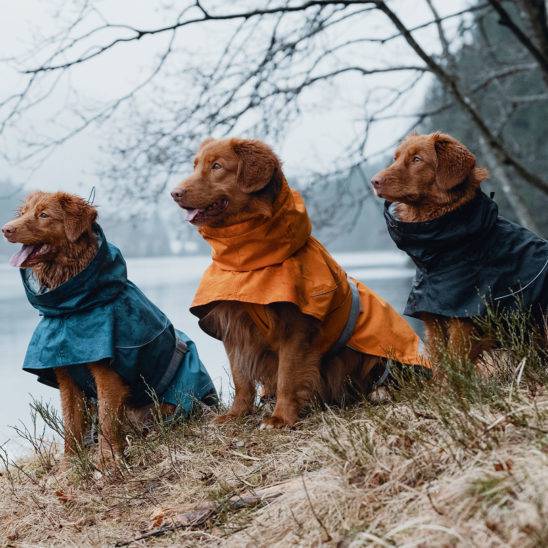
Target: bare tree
<point x="276" y="53"/>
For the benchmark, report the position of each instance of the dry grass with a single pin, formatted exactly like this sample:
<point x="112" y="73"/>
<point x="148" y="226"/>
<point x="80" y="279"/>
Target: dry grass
<point x="458" y="461"/>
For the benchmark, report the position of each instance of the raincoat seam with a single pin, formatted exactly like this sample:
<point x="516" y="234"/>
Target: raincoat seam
<point x="325" y="292"/>
<point x="166" y="326"/>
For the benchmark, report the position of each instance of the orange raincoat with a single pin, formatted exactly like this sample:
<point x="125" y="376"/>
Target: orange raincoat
<point x="263" y="261"/>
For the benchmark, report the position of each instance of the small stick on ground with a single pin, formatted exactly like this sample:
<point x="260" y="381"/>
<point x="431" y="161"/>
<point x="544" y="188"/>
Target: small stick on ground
<point x="200" y="516"/>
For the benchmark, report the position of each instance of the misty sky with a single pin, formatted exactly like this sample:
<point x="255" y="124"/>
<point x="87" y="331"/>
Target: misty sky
<point x="326" y="126"/>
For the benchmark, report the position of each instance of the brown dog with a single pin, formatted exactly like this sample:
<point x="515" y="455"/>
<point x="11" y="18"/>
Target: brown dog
<point x="466" y="255"/>
<point x="57" y="228"/>
<point x="59" y="242"/>
<point x="252" y="296"/>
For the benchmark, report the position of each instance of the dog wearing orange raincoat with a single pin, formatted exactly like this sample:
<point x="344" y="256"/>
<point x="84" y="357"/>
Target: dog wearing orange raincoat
<point x="289" y="317"/>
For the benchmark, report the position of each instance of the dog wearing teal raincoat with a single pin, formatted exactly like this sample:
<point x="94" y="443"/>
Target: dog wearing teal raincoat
<point x="100" y="315"/>
<point x="96" y="322"/>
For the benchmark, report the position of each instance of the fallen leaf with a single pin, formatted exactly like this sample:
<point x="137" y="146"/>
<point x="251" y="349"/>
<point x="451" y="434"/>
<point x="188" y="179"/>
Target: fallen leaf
<point x="157" y="517"/>
<point x="207" y="477"/>
<point x="378" y="478"/>
<point x="408" y="442"/>
<point x="501" y="466"/>
<point x="64" y="497"/>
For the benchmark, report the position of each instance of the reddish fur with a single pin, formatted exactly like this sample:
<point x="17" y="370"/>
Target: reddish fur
<point x="69" y="233"/>
<point x="67" y="230"/>
<point x="444" y="179"/>
<point x="288" y="367"/>
<point x="250" y="177"/>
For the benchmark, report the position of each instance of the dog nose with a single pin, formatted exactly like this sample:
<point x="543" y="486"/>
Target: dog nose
<point x="376" y="182"/>
<point x="8" y="229"/>
<point x="177" y="194"/>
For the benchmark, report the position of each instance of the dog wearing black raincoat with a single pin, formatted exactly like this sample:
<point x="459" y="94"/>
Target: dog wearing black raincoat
<point x="468" y="259"/>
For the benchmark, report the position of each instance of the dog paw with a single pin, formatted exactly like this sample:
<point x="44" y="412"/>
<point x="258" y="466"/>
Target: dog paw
<point x="222" y="419"/>
<point x="275" y="422"/>
<point x="108" y="461"/>
<point x="65" y="465"/>
<point x="379" y="395"/>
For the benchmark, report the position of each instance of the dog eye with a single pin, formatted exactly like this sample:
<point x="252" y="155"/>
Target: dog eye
<point x="417" y="159"/>
<point x="216" y="165"/>
<point x="43" y="215"/>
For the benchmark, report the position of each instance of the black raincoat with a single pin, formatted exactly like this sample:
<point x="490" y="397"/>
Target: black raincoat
<point x="472" y="258"/>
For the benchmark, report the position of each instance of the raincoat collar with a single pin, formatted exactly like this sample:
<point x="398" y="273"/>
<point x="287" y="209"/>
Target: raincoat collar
<point x="425" y="241"/>
<point x="99" y="283"/>
<point x="262" y="242"/>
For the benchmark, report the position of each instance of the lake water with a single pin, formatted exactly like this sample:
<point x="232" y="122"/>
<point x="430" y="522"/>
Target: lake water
<point x="170" y="283"/>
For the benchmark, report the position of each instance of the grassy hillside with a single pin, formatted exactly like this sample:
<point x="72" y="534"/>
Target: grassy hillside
<point x="461" y="460"/>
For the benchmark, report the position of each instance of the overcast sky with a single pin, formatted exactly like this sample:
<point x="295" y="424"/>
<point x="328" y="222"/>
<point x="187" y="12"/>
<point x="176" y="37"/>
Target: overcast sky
<point x="311" y="143"/>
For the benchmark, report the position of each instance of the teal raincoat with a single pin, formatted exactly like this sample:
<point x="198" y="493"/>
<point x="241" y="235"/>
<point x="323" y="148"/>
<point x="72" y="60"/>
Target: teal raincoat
<point x="100" y="315"/>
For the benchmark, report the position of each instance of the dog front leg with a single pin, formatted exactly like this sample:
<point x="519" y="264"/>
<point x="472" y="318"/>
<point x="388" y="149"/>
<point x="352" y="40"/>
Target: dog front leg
<point x="436" y="336"/>
<point x="245" y="389"/>
<point x="459" y="336"/>
<point x="464" y="339"/>
<point x="112" y="392"/>
<point x="298" y="382"/>
<point x="72" y="408"/>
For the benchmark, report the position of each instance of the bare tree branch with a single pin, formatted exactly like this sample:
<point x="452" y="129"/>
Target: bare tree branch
<point x="441" y="34"/>
<point x="517" y="99"/>
<point x="300" y="49"/>
<point x="536" y="12"/>
<point x="138" y="34"/>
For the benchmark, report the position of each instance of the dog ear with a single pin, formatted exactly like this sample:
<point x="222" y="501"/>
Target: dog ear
<point x="78" y="216"/>
<point x="257" y="166"/>
<point x="454" y="161"/>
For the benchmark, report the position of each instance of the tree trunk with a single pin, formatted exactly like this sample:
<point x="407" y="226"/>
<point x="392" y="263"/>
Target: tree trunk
<point x="516" y="201"/>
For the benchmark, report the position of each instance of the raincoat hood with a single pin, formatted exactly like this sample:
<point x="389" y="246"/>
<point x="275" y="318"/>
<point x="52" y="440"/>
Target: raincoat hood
<point x="469" y="259"/>
<point x="98" y="284"/>
<point x="100" y="315"/>
<point x="262" y="242"/>
<point x="269" y="260"/>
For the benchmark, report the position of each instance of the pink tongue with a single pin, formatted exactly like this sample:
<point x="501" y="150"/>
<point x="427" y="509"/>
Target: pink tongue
<point x="191" y="213"/>
<point x="21" y="256"/>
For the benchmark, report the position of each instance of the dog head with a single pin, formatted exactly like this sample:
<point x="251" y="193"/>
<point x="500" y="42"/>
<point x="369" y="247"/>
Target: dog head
<point x="428" y="169"/>
<point x="232" y="179"/>
<point x="47" y="223"/>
